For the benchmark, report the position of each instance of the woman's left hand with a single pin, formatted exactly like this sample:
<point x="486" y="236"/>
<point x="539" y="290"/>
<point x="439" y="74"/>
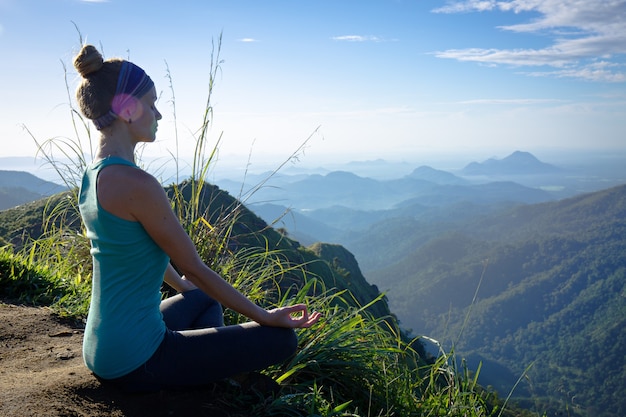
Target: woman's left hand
<point x="294" y="316"/>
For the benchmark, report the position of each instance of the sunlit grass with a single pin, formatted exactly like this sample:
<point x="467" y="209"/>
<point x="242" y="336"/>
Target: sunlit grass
<point x="40" y="283"/>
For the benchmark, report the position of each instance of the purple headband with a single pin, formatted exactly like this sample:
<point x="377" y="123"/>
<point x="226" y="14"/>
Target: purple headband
<point x="132" y="84"/>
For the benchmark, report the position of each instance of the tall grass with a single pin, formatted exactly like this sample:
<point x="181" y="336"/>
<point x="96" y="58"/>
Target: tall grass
<point x="43" y="283"/>
<point x="351" y="363"/>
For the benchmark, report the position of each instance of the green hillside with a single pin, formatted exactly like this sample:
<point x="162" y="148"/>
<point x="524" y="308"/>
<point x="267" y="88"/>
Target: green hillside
<point x="541" y="285"/>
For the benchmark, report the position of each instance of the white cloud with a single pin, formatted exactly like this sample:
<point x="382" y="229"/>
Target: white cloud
<point x="512" y="101"/>
<point x="520" y="57"/>
<point x="588" y="37"/>
<point x="600" y="71"/>
<point x="356" y="38"/>
<point x="467" y="6"/>
<point x="248" y="40"/>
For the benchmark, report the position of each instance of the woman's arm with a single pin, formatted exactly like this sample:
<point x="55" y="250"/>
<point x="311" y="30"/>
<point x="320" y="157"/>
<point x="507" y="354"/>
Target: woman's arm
<point x="174" y="280"/>
<point x="143" y="199"/>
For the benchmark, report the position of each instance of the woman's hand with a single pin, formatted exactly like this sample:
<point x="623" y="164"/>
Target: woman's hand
<point x="295" y="316"/>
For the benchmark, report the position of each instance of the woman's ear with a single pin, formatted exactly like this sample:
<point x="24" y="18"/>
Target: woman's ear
<point x="127" y="107"/>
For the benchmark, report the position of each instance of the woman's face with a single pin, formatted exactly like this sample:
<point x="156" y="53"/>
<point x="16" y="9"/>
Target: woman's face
<point x="144" y="117"/>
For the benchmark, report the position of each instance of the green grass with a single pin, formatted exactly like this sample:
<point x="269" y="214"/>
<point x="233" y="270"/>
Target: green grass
<point x="41" y="284"/>
<point x="351" y="363"/>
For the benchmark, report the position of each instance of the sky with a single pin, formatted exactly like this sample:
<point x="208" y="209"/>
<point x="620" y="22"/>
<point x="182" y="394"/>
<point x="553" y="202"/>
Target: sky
<point x="331" y="80"/>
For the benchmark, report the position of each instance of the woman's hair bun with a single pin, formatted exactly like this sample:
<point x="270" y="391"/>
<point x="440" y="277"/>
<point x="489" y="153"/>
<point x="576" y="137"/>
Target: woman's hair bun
<point x="88" y="60"/>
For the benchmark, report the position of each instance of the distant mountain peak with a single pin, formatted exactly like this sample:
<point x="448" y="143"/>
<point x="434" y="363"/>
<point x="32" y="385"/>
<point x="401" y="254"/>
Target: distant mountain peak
<point x="342" y="175"/>
<point x="521" y="156"/>
<point x="427" y="173"/>
<point x="517" y="163"/>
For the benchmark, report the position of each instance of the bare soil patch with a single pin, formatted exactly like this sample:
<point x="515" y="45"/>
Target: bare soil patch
<point x="42" y="374"/>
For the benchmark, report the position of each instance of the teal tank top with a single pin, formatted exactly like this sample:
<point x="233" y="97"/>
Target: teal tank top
<point x="124" y="325"/>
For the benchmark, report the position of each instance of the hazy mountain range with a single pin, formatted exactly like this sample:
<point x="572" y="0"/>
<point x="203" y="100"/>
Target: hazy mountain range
<point x="338" y="206"/>
<point x="18" y="187"/>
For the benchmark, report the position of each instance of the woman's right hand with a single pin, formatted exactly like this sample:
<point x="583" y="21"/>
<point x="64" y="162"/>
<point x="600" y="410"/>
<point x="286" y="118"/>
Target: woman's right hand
<point x="294" y="316"/>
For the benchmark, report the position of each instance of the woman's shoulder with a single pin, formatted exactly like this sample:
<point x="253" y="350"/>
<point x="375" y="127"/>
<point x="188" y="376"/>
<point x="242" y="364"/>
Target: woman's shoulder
<point x="125" y="190"/>
<point x="124" y="175"/>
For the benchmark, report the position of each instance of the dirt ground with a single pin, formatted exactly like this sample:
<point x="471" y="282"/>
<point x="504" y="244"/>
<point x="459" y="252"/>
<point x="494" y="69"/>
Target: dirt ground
<point x="42" y="374"/>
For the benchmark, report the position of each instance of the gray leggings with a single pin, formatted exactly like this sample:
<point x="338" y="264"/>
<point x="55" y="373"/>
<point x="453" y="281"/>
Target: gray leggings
<point x="198" y="349"/>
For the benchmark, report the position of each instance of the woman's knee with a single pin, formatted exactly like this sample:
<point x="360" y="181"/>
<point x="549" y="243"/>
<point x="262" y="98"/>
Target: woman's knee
<point x="290" y="340"/>
<point x="278" y="343"/>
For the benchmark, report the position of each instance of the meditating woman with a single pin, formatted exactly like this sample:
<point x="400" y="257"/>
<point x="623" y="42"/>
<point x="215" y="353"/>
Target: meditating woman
<point x="133" y="338"/>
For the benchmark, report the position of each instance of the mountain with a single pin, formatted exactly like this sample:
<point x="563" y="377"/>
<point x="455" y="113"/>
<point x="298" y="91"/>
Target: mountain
<point x="531" y="291"/>
<point x="340" y="188"/>
<point x="298" y="226"/>
<point x="18" y="187"/>
<point x="436" y="176"/>
<point x="336" y="188"/>
<point x="29" y="182"/>
<point x="484" y="194"/>
<point x="14" y="196"/>
<point x="340" y="204"/>
<point x="348" y="226"/>
<point x="518" y="163"/>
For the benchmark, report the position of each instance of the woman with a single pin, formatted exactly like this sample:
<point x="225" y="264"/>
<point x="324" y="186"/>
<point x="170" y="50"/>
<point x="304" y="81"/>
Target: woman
<point x="132" y="338"/>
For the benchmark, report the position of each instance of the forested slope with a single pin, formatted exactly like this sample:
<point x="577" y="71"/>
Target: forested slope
<point x="541" y="285"/>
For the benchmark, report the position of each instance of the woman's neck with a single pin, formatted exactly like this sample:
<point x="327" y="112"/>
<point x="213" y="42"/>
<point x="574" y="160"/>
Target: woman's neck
<point x="116" y="144"/>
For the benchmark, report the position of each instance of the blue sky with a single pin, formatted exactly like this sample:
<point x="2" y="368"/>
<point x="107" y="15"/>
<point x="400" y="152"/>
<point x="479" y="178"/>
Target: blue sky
<point x="392" y="79"/>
